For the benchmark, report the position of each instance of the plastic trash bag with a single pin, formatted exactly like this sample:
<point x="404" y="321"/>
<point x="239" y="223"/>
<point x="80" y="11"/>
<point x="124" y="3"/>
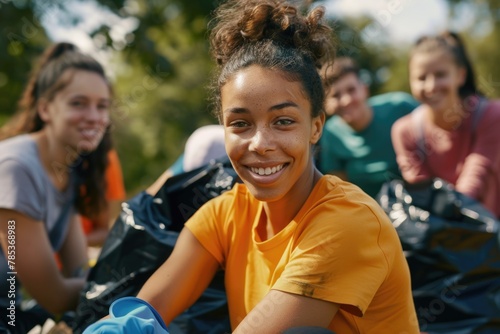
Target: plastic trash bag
<point x="452" y="246"/>
<point x="142" y="238"/>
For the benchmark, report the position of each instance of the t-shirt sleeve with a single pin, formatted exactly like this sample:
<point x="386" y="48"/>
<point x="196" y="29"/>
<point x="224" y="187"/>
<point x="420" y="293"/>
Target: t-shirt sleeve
<point x="203" y="225"/>
<point x="18" y="190"/>
<point x="336" y="261"/>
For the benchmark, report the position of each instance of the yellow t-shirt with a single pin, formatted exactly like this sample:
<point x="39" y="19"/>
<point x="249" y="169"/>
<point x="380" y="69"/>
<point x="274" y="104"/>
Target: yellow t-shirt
<point x="340" y="247"/>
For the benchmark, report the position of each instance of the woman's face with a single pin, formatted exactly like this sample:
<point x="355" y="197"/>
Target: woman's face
<point x="435" y="79"/>
<point x="269" y="131"/>
<point x="78" y="114"/>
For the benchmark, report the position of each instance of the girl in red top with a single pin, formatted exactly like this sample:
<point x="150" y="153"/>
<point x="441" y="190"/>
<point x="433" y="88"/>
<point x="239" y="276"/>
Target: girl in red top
<point x="453" y="135"/>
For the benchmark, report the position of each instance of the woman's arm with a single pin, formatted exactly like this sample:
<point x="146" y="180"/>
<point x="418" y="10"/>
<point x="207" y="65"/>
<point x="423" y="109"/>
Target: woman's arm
<point x="280" y="310"/>
<point x="410" y="159"/>
<point x="36" y="266"/>
<point x="180" y="281"/>
<point x="156" y="186"/>
<point x="73" y="253"/>
<point x="484" y="159"/>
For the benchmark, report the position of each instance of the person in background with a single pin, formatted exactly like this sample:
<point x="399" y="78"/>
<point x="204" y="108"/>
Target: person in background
<point x="356" y="143"/>
<point x="57" y="143"/>
<point x="454" y="133"/>
<point x="298" y="248"/>
<point x="96" y="230"/>
<point x="203" y="145"/>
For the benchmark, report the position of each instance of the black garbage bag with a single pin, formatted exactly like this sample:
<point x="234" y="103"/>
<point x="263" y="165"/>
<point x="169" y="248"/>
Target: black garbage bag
<point x="142" y="238"/>
<point x="452" y="246"/>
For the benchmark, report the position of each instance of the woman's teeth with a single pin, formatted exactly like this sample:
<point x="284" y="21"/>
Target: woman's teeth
<point x="267" y="170"/>
<point x="89" y="132"/>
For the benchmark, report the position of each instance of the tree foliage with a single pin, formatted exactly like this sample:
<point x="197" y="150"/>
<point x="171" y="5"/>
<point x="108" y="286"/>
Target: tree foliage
<point x="22" y="38"/>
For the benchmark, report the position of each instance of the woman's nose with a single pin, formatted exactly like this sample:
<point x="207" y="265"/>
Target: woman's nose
<point x="261" y="141"/>
<point x="430" y="84"/>
<point x="96" y="114"/>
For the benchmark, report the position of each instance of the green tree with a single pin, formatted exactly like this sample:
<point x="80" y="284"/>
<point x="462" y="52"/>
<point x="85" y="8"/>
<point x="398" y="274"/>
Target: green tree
<point x="22" y="38"/>
<point x="161" y="92"/>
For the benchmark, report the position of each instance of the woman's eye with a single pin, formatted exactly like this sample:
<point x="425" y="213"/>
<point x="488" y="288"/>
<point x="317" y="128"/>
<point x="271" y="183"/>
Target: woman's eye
<point x="103" y="107"/>
<point x="284" y="122"/>
<point x="238" y="124"/>
<point x="77" y="103"/>
<point x="441" y="74"/>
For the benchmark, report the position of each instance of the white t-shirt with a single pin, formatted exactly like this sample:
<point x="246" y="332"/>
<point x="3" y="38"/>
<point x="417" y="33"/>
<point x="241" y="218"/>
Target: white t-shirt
<point x="205" y="144"/>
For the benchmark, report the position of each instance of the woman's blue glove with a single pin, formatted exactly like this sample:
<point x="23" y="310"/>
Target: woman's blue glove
<point x="129" y="315"/>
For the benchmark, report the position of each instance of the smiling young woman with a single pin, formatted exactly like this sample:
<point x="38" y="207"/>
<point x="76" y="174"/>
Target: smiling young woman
<point x="298" y="248"/>
<point x="57" y="142"/>
<point x="457" y="126"/>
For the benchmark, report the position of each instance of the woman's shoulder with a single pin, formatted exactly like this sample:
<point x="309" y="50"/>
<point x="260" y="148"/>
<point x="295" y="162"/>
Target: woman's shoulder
<point x="19" y="148"/>
<point x="238" y="196"/>
<point x="486" y="118"/>
<point x="20" y="151"/>
<point x="21" y="177"/>
<point x="333" y="191"/>
<point x="405" y="126"/>
<point x="335" y="200"/>
<point x="236" y="202"/>
<point x="19" y="155"/>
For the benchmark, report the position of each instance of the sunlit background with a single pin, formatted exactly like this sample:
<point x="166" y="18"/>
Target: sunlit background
<point x="156" y="53"/>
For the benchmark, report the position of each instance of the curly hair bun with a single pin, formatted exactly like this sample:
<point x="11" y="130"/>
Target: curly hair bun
<point x="241" y="22"/>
